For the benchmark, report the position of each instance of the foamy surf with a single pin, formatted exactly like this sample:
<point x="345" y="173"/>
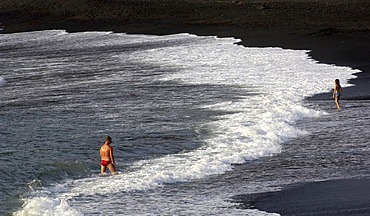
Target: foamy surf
<point x="252" y="127"/>
<point x="46" y="206"/>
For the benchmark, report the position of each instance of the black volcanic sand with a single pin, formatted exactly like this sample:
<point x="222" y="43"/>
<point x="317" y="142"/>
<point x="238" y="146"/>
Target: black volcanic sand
<point x="335" y="31"/>
<point x="330" y="198"/>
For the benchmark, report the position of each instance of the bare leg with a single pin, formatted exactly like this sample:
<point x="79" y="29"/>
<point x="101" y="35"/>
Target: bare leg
<point x="337" y="102"/>
<point x="102" y="169"/>
<point x="112" y="169"/>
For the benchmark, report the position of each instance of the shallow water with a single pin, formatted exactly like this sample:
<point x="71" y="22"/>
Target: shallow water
<point x="194" y="121"/>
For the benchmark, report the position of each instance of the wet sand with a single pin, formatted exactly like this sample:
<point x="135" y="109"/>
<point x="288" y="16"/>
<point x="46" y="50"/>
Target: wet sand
<point x="331" y="198"/>
<point x="336" y="31"/>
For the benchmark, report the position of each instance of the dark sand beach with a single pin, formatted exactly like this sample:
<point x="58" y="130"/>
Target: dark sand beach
<point x="336" y="197"/>
<point x="336" y="31"/>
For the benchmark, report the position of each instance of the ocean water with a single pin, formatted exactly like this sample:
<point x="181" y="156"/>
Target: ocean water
<point x="194" y="121"/>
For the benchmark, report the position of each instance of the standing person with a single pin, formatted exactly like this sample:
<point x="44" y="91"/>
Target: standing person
<point x="107" y="158"/>
<point x="337" y="92"/>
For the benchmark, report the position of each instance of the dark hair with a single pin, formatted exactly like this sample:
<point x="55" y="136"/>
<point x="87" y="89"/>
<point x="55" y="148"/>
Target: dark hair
<point x="337" y="81"/>
<point x="108" y="138"/>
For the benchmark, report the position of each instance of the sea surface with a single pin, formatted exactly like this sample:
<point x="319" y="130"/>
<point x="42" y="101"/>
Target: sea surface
<point x="195" y="121"/>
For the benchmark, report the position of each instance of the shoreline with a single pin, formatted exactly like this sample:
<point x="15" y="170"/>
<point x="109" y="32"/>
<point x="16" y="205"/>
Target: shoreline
<point x="335" y="31"/>
<point x="348" y="48"/>
<point x="332" y="197"/>
<point x="340" y="197"/>
<point x="328" y="44"/>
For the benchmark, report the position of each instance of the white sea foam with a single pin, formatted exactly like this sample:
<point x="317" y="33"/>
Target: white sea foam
<point x="262" y="122"/>
<point x="257" y="127"/>
<point x="35" y="36"/>
<point x="45" y="206"/>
